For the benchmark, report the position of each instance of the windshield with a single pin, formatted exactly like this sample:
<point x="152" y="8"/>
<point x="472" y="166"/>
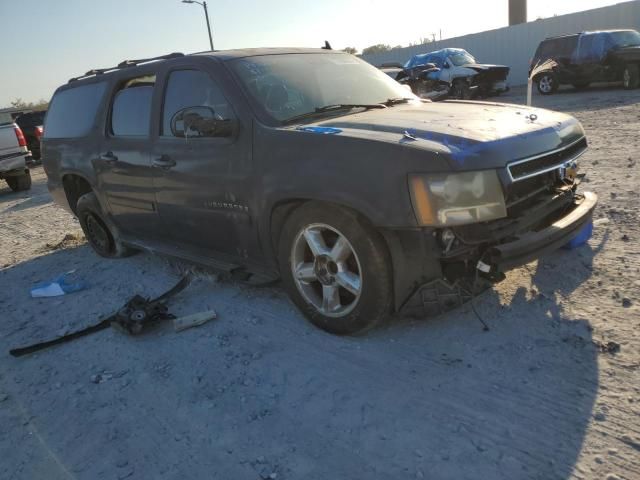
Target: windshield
<point x="292" y="85"/>
<point x="461" y="58"/>
<point x="626" y="38"/>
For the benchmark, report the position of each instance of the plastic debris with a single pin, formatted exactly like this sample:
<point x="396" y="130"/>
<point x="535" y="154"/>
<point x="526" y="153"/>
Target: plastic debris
<point x="195" y="320"/>
<point x="583" y="236"/>
<point x="58" y="286"/>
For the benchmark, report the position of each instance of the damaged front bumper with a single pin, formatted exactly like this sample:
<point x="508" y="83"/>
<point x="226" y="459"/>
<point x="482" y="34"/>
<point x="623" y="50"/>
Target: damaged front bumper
<point x="461" y="280"/>
<point x="534" y="244"/>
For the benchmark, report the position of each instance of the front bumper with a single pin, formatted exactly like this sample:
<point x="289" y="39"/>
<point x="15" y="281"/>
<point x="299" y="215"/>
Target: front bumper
<point x="441" y="295"/>
<point x="532" y="245"/>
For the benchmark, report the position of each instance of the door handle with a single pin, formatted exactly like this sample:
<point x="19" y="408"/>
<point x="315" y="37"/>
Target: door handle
<point x="108" y="157"/>
<point x="165" y="162"/>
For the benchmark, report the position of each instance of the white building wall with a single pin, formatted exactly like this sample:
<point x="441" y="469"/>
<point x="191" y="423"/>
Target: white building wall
<point x="514" y="46"/>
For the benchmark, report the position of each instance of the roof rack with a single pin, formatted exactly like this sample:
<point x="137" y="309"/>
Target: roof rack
<point x="125" y="64"/>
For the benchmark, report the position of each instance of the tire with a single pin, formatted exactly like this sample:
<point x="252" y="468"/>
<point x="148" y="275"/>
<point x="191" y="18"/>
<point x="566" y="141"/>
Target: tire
<point x="547" y="84"/>
<point x="19" y="183"/>
<point x="460" y="90"/>
<point x="97" y="230"/>
<point x="631" y="76"/>
<point x="362" y="264"/>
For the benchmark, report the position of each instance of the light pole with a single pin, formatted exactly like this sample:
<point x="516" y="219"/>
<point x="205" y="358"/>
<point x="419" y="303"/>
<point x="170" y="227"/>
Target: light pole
<point x="206" y="15"/>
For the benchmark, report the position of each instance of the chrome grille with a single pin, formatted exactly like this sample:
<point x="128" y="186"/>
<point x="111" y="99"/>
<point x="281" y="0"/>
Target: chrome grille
<point x="530" y="167"/>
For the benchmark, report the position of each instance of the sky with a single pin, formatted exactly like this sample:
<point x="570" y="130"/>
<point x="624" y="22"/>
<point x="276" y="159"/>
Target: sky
<point x="46" y="42"/>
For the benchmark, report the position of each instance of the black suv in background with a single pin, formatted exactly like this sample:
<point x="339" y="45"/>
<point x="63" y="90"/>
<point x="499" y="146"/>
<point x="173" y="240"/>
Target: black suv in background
<point x="588" y="57"/>
<point x="315" y="167"/>
<point x="31" y="125"/>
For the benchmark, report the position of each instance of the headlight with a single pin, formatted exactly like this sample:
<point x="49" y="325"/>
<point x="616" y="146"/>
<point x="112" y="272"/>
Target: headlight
<point x="457" y="198"/>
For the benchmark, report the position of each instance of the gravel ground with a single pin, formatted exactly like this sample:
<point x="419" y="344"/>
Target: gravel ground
<point x="259" y="393"/>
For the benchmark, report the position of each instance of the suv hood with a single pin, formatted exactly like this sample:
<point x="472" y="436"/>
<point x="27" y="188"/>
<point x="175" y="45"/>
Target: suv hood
<point x="470" y="135"/>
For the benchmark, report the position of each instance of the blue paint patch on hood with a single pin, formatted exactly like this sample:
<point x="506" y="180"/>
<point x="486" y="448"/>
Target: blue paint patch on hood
<point x="463" y="149"/>
<point x="320" y="130"/>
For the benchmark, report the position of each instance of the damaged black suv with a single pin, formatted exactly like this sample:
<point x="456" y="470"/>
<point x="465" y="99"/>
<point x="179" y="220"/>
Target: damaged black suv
<point x="314" y="167"/>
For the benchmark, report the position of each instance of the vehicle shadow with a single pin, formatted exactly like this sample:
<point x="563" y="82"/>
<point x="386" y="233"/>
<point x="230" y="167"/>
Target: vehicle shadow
<point x="520" y="394"/>
<point x="260" y="391"/>
<point x="30" y="201"/>
<point x="569" y="99"/>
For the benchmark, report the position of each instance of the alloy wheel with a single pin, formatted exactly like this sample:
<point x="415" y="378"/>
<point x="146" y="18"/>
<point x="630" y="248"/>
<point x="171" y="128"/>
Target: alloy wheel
<point x="626" y="78"/>
<point x="326" y="270"/>
<point x="546" y="84"/>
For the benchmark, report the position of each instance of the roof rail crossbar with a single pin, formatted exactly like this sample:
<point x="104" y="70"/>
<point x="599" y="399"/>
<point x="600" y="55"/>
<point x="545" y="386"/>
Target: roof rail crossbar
<point x="132" y="63"/>
<point x="125" y="64"/>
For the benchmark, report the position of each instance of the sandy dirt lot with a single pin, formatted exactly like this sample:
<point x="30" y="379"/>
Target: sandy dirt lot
<point x="259" y="393"/>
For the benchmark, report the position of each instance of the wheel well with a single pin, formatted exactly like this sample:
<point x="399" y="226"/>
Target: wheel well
<point x="279" y="214"/>
<point x="74" y="187"/>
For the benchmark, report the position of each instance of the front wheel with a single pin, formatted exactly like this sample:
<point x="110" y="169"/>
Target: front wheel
<point x="631" y="77"/>
<point x="460" y="90"/>
<point x="336" y="268"/>
<point x="547" y="84"/>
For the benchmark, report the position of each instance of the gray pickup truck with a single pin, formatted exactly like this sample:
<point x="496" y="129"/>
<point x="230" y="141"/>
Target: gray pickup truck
<point x="13" y="155"/>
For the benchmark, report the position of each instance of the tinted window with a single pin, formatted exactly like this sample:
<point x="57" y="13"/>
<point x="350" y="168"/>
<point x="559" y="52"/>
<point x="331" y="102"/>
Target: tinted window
<point x="192" y="88"/>
<point x="131" y="111"/>
<point x="556" y="48"/>
<point x="591" y="48"/>
<point x="72" y="112"/>
<point x="627" y="38"/>
<point x="5" y="118"/>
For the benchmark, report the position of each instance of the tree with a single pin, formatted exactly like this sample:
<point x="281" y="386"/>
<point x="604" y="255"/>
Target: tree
<point x="379" y="48"/>
<point x="351" y="50"/>
<point x="22" y="105"/>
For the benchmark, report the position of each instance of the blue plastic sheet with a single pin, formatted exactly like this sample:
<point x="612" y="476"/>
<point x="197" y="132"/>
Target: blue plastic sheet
<point x="583" y="237"/>
<point x="60" y="285"/>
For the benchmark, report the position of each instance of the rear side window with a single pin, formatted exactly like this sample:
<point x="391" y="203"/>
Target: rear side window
<point x="556" y="48"/>
<point x="72" y="112"/>
<point x="131" y="110"/>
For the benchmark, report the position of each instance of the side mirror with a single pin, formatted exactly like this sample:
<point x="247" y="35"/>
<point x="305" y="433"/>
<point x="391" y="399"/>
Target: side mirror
<point x="199" y="122"/>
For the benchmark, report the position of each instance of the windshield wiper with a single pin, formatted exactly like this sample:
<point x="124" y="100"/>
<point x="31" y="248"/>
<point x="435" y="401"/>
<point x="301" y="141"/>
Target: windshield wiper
<point x="397" y="101"/>
<point x="332" y="108"/>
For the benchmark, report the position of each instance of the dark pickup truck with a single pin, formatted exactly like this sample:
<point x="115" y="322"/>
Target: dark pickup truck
<point x="31" y="124"/>
<point x="314" y="167"/>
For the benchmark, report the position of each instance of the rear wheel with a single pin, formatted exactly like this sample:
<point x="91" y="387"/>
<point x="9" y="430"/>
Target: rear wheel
<point x="631" y="77"/>
<point x="96" y="228"/>
<point x="20" y="183"/>
<point x="547" y="84"/>
<point x="335" y="268"/>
